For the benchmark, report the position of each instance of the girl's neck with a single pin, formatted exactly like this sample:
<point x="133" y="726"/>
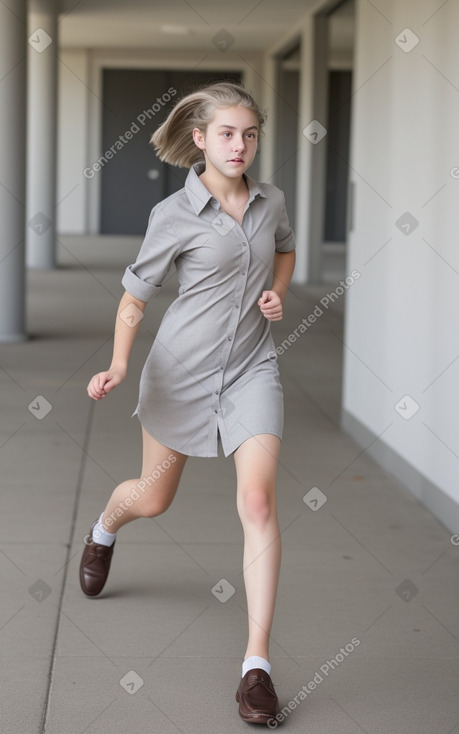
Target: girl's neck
<point x="222" y="187"/>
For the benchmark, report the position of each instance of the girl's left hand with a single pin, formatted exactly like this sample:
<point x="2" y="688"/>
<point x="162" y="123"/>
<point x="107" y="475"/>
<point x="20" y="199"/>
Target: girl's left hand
<point x="271" y="306"/>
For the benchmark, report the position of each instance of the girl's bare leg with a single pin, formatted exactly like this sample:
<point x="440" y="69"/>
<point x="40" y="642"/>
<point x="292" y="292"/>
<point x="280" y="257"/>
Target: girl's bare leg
<point x="150" y="494"/>
<point x="256" y="467"/>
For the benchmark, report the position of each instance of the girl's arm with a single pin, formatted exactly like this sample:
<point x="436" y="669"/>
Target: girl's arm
<point x="128" y="318"/>
<point x="271" y="302"/>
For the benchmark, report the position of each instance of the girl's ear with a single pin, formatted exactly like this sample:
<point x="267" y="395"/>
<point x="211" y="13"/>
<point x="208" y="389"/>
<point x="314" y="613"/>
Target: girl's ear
<point x="198" y="138"/>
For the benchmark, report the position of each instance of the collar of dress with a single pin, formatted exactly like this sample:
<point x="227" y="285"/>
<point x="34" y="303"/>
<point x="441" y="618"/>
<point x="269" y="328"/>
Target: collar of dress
<point x="200" y="196"/>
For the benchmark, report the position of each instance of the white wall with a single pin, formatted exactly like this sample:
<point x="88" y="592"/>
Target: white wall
<point x="402" y="314"/>
<point x="72" y="141"/>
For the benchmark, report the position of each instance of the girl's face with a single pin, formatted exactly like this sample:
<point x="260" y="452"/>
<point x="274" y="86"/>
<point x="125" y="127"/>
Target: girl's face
<point x="230" y="141"/>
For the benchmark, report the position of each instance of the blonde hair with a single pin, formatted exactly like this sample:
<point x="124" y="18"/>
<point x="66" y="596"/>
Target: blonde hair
<point x="173" y="140"/>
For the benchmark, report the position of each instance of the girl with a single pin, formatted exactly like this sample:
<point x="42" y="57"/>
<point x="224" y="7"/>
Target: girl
<point x="210" y="377"/>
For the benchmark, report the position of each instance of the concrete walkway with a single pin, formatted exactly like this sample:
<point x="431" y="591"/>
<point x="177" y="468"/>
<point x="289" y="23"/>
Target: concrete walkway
<point x="366" y="634"/>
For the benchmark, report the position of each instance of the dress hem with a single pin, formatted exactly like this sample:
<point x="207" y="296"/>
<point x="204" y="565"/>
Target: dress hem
<point x="208" y="456"/>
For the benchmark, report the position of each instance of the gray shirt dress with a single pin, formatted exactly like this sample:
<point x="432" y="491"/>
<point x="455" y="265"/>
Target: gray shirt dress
<point x="211" y="373"/>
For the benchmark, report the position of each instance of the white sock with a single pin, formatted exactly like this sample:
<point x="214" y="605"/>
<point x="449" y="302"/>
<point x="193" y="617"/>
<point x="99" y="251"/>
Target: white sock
<point x="100" y="535"/>
<point x="254" y="661"/>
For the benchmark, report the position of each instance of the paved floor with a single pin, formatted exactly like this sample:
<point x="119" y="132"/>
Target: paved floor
<point x="366" y="635"/>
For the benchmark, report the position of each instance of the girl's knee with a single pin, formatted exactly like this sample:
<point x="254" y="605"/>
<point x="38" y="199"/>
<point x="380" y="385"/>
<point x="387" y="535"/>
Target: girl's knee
<point x="156" y="496"/>
<point x="256" y="504"/>
<point x="154" y="506"/>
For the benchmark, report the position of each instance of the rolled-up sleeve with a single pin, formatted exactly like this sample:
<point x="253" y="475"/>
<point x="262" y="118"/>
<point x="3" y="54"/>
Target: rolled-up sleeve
<point x="143" y="279"/>
<point x="284" y="237"/>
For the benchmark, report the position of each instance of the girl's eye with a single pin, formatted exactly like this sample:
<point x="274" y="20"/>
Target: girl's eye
<point x="226" y="134"/>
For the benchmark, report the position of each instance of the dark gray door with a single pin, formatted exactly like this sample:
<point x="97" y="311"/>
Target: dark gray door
<point x="287" y="137"/>
<point x="338" y="132"/>
<point x="133" y="178"/>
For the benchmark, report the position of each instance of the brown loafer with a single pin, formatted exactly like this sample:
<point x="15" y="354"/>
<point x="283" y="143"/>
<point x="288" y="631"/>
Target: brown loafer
<point x="258" y="702"/>
<point x="95" y="565"/>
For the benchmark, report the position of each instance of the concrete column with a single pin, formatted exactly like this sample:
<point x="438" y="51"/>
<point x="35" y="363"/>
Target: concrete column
<point x="318" y="170"/>
<point x="13" y="44"/>
<point x="304" y="183"/>
<point x="41" y="134"/>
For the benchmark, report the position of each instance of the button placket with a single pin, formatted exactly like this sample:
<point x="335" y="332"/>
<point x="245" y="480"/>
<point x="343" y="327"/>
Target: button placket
<point x="240" y="289"/>
<point x="241" y="281"/>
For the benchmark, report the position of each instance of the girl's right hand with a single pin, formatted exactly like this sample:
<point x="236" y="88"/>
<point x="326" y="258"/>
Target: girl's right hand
<point x="101" y="384"/>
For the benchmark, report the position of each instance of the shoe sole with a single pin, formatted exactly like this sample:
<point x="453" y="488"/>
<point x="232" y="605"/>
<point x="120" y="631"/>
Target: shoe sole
<point x="264" y="719"/>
